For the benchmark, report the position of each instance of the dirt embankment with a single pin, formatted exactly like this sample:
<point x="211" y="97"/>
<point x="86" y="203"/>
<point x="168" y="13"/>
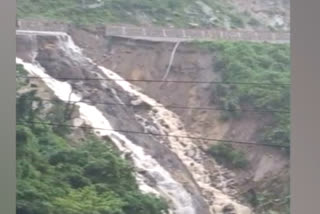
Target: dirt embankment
<point x="136" y="59"/>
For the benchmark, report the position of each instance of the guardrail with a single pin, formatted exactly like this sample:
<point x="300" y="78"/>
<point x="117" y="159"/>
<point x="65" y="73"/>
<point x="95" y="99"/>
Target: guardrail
<point x="128" y="31"/>
<point x="167" y="33"/>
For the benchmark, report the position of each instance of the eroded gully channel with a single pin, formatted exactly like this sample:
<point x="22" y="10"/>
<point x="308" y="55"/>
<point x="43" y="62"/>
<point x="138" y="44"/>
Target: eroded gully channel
<point x="169" y="166"/>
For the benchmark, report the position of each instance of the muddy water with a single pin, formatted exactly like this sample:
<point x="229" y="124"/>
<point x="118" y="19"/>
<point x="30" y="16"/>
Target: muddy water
<point x="153" y="120"/>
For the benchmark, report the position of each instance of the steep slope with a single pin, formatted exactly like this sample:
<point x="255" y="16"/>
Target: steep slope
<point x="135" y="60"/>
<point x="55" y="170"/>
<point x="210" y="177"/>
<point x="164" y="162"/>
<point x="177" y="13"/>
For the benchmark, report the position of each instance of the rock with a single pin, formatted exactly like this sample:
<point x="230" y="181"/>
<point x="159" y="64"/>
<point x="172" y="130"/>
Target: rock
<point x="141" y="171"/>
<point x="136" y="102"/>
<point x="183" y="144"/>
<point x="152" y="130"/>
<point x="165" y="126"/>
<point x="190" y="153"/>
<point x="78" y="122"/>
<point x="232" y="182"/>
<point x="229" y="209"/>
<point x="192" y="24"/>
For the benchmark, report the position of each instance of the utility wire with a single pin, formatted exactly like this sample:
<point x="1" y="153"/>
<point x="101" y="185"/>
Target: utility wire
<point x="171" y="107"/>
<point x="158" y="81"/>
<point x="160" y="135"/>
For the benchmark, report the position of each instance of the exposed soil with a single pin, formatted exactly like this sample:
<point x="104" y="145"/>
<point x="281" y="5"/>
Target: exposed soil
<point x="135" y="59"/>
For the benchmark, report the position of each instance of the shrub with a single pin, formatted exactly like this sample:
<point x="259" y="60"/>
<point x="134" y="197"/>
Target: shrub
<point x="250" y="62"/>
<point x="227" y="155"/>
<point x="90" y="178"/>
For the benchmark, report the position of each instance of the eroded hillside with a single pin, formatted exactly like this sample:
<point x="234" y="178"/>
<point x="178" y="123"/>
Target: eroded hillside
<point x="215" y="61"/>
<point x="189" y="141"/>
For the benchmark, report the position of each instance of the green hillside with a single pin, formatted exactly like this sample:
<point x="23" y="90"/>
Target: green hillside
<point x="179" y="13"/>
<point x="248" y="62"/>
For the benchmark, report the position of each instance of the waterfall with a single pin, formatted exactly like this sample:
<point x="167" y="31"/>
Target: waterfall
<point x="171" y="60"/>
<point x="186" y="150"/>
<point x="167" y="186"/>
<point x="164" y="120"/>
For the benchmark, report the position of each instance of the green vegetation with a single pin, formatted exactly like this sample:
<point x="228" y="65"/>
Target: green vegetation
<point x="21" y="82"/>
<point x="255" y="63"/>
<point x="225" y="154"/>
<point x="179" y="13"/>
<point x="54" y="177"/>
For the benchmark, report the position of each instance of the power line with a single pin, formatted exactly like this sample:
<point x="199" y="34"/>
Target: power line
<point x="160" y="135"/>
<point x="172" y="107"/>
<point x="158" y="81"/>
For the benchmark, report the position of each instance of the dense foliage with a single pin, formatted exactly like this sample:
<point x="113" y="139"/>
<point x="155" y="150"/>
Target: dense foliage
<point x="21" y="81"/>
<point x="160" y="12"/>
<point x="225" y="154"/>
<point x="54" y="177"/>
<point x="248" y="62"/>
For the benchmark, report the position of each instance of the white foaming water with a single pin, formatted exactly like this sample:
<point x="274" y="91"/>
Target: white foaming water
<point x="166" y="185"/>
<point x="182" y="147"/>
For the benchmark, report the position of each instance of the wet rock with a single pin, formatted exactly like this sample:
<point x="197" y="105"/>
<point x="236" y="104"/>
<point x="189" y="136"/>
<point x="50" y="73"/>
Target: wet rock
<point x="152" y="130"/>
<point x="166" y="125"/>
<point x="128" y="155"/>
<point x="228" y="175"/>
<point x="140" y="103"/>
<point x="136" y="102"/>
<point x="229" y="209"/>
<point x="78" y="122"/>
<point x="183" y="144"/>
<point x="141" y="171"/>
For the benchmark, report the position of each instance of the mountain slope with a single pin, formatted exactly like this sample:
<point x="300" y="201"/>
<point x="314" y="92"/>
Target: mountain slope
<point x="178" y="13"/>
<point x="214" y="61"/>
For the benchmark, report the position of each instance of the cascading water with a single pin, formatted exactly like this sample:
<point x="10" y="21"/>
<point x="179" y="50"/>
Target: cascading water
<point x="166" y="185"/>
<point x="157" y="118"/>
<point x="186" y="150"/>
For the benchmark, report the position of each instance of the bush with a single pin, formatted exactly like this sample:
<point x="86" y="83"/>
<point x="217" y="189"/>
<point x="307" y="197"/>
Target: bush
<point x="227" y="155"/>
<point x="250" y="62"/>
<point x="21" y="74"/>
<point x="254" y="22"/>
<point x="90" y="178"/>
